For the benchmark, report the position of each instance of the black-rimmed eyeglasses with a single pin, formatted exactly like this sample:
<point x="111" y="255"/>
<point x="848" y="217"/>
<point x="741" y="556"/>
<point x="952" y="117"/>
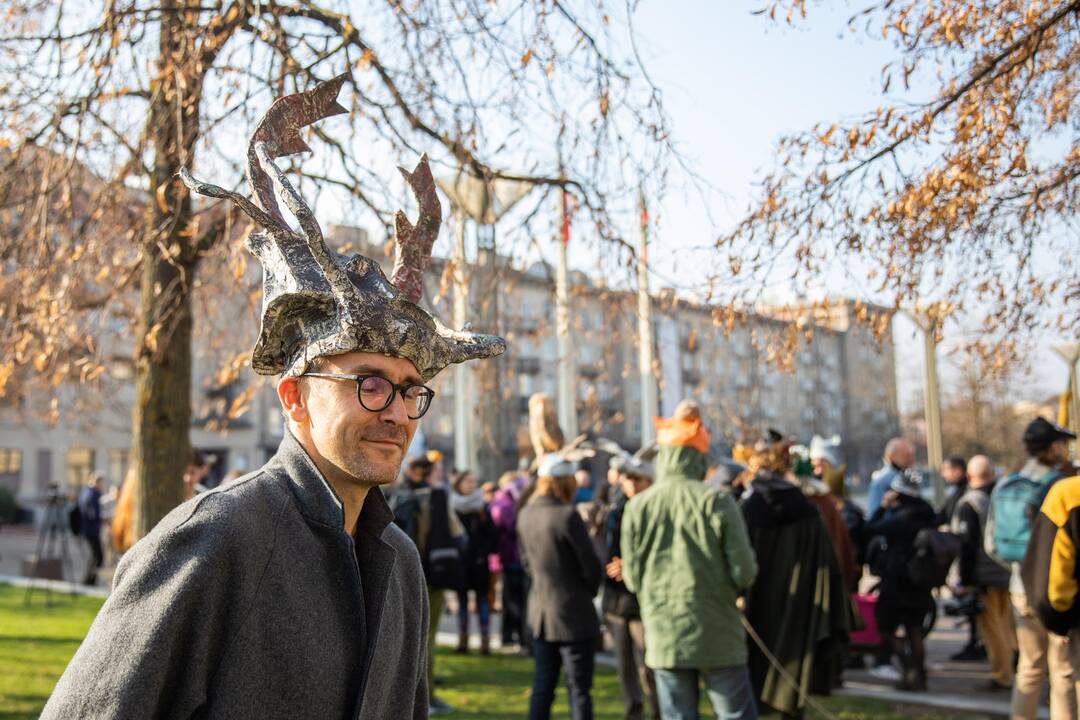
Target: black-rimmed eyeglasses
<point x="376" y="393"/>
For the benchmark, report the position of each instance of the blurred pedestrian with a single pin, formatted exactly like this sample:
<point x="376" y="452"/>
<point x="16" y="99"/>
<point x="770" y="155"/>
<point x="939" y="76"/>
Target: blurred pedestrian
<point x="982" y="576"/>
<point x="122" y="526"/>
<point x="829" y="470"/>
<point x="687" y="557"/>
<point x="489" y="489"/>
<point x="899" y="456"/>
<point x="620" y="607"/>
<point x="565" y="575"/>
<point x="1013" y="506"/>
<point x="954" y="473"/>
<point x="827" y="476"/>
<point x="89" y="503"/>
<point x="584" y="492"/>
<point x="196" y="471"/>
<point x="800" y="607"/>
<point x="503" y="511"/>
<point x="424" y="513"/>
<point x="467" y="500"/>
<point x="1049" y="568"/>
<point x="901" y="603"/>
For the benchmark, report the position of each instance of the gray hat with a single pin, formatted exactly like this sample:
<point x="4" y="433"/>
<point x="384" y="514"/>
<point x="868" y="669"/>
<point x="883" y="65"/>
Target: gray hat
<point x="317" y="302"/>
<point x="555" y="465"/>
<point x="826" y="449"/>
<point x="633" y="465"/>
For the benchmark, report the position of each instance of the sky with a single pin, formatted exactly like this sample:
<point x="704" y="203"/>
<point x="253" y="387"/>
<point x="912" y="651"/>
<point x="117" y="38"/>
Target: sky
<point x="734" y="83"/>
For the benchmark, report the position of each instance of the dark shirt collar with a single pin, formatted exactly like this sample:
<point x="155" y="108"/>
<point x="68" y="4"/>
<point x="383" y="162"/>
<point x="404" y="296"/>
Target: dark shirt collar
<point x="317" y="499"/>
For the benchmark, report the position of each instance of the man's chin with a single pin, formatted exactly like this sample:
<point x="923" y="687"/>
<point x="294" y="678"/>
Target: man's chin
<point x="378" y="470"/>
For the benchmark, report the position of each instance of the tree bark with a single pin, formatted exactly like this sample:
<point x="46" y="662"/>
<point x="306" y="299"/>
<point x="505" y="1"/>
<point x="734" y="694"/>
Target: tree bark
<point x="161" y="415"/>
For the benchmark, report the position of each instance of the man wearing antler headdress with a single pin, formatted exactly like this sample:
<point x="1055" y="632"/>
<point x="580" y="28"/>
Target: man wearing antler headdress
<point x="290" y="593"/>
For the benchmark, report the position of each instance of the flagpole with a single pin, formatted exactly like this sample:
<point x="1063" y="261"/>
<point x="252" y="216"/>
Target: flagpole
<point x="567" y="395"/>
<point x="645" y="332"/>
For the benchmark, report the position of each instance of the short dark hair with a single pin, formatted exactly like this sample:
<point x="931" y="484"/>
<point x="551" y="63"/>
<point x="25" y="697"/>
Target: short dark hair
<point x="197" y="458"/>
<point x="957" y="461"/>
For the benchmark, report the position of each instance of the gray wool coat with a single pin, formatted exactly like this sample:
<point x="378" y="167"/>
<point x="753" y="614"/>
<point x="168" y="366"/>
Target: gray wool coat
<point x="246" y="602"/>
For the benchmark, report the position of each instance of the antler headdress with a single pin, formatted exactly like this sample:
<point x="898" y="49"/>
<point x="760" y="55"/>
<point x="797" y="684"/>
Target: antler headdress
<point x="317" y="302"/>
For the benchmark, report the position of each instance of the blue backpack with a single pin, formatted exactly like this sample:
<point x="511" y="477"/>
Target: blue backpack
<point x="1015" y="503"/>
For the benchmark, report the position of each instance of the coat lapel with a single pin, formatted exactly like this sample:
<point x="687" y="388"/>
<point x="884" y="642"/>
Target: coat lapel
<point x="376" y="558"/>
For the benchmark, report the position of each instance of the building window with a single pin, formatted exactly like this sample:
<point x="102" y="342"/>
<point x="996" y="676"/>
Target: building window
<point x="80" y="463"/>
<point x="10" y="468"/>
<point x="119" y="460"/>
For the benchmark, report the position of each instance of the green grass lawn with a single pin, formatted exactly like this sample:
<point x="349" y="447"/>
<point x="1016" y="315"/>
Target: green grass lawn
<point x="36" y="643"/>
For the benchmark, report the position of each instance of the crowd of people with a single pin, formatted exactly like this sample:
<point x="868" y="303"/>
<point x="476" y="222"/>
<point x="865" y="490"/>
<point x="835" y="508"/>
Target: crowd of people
<point x="750" y="575"/>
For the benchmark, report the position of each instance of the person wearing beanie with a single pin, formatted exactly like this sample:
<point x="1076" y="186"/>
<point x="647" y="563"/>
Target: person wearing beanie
<point x="800" y="607"/>
<point x="686" y="556"/>
<point x="902" y="514"/>
<point x="565" y="575"/>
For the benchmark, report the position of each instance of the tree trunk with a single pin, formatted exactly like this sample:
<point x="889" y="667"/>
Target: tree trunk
<point x="161" y="415"/>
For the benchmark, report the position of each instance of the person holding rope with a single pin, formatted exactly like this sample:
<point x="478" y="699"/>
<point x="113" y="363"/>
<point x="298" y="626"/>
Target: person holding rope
<point x="800" y="608"/>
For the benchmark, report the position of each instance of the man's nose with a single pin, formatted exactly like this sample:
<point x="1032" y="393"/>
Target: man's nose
<point x="396" y="412"/>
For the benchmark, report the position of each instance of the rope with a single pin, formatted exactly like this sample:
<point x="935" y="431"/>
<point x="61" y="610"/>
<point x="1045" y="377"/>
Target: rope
<point x="804" y="697"/>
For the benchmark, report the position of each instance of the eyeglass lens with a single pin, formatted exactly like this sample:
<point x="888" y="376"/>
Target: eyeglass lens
<point x="376" y="394"/>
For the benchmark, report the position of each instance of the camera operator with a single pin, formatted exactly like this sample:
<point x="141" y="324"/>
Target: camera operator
<point x="981" y="576"/>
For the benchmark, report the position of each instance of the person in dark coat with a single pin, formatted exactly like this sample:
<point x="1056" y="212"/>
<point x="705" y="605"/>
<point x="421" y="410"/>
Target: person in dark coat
<point x="290" y="593"/>
<point x="620" y="606"/>
<point x="565" y="575"/>
<point x="800" y="607"/>
<point x="90" y="524"/>
<point x="954" y="473"/>
<point x="467" y="501"/>
<point x="901" y="603"/>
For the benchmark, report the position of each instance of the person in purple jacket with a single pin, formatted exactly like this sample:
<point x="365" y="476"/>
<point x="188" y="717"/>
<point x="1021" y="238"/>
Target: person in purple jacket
<point x="504" y="516"/>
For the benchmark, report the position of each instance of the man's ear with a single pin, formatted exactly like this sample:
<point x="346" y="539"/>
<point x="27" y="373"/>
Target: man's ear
<point x="291" y="396"/>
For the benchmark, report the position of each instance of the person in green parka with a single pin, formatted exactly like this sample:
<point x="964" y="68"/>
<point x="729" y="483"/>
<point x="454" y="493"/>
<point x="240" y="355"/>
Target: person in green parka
<point x="687" y="557"/>
<point x="799" y="608"/>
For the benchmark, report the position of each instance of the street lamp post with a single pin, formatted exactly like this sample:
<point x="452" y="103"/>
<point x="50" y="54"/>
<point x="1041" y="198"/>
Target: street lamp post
<point x="929" y="320"/>
<point x="1070" y="353"/>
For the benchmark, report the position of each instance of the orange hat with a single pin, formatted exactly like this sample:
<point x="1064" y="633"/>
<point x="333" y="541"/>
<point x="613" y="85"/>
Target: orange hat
<point x="682" y="432"/>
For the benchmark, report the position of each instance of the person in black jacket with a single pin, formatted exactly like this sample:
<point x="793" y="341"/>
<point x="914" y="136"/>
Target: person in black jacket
<point x="954" y="473"/>
<point x="565" y="575"/>
<point x="620" y="606"/>
<point x="467" y="500"/>
<point x="983" y="577"/>
<point x="901" y="603"/>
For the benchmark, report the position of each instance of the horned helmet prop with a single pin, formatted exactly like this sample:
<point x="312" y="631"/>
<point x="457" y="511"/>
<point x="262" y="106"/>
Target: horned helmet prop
<point x="317" y="302"/>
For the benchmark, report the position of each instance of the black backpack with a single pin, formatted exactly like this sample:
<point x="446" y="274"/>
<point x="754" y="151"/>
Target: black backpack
<point x="934" y="552"/>
<point x="441" y="555"/>
<point x="75" y="519"/>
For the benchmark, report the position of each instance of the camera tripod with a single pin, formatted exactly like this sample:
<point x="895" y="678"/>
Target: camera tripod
<point x="52" y="537"/>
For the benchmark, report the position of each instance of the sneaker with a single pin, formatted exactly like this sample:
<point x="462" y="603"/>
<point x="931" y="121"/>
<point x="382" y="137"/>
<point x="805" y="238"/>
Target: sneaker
<point x="885" y="672"/>
<point x="438" y="707"/>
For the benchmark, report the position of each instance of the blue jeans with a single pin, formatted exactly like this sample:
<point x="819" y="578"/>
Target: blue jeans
<point x="729" y="690"/>
<point x="577" y="660"/>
